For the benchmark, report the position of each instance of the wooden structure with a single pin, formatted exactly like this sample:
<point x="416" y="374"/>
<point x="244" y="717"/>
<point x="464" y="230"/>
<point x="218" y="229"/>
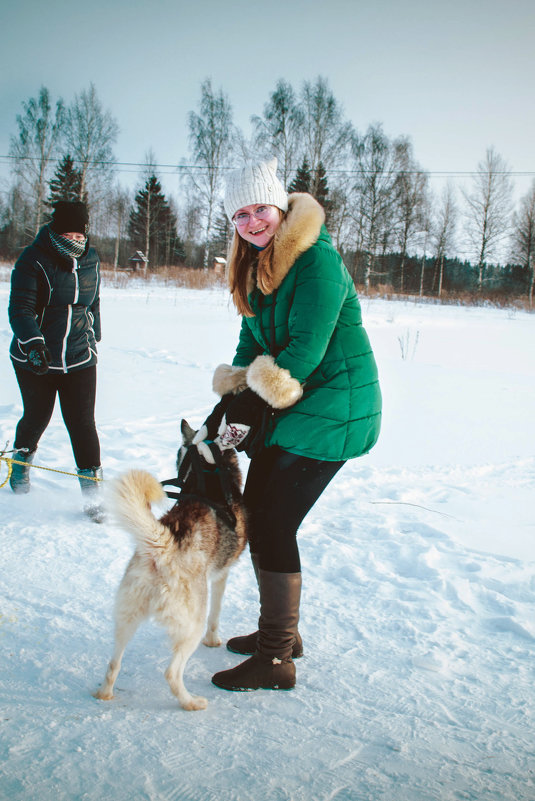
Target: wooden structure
<point x="138" y="261"/>
<point x="219" y="265"/>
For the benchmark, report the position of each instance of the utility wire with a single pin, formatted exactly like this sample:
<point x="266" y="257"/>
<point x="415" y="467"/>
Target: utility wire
<point x="185" y="167"/>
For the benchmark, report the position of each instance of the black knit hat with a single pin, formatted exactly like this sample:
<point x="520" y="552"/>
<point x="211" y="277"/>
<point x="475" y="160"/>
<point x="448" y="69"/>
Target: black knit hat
<point x="70" y="216"/>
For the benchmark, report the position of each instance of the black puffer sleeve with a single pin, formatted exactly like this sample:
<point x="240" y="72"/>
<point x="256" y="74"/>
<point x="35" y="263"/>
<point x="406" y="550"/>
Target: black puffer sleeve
<point x="29" y="285"/>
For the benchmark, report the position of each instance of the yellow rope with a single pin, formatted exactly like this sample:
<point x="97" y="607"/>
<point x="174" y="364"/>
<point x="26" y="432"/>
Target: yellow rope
<point x="9" y="471"/>
<point x="11" y="462"/>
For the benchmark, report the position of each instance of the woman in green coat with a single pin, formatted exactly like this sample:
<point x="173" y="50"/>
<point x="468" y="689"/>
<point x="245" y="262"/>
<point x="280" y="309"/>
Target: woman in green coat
<point x="301" y="397"/>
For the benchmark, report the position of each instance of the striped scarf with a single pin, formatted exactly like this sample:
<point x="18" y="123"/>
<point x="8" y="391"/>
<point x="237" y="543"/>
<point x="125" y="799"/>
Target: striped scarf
<point x="67" y="247"/>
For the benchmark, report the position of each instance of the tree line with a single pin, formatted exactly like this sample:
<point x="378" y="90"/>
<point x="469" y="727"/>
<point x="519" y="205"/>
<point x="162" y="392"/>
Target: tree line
<point x="393" y="231"/>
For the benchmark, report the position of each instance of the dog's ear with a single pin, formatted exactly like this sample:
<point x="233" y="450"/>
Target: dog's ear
<point x="187" y="433"/>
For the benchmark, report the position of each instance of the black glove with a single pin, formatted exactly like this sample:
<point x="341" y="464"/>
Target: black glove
<point x="246" y="407"/>
<point x="39" y="358"/>
<point x="237" y="421"/>
<point x="210" y="427"/>
<point x="243" y="420"/>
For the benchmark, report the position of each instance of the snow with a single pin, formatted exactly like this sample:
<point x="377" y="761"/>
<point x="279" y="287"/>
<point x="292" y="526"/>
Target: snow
<point x="419" y="589"/>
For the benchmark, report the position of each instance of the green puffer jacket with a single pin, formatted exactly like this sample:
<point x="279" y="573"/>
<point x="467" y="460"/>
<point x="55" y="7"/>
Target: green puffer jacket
<point x="305" y="351"/>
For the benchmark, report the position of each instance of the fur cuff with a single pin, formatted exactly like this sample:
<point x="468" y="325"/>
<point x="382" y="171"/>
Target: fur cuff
<point x="274" y="384"/>
<point x="229" y="379"/>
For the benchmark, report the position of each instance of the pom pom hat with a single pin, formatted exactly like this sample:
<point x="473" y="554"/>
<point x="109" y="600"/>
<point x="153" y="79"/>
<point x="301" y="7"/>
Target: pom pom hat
<point x="254" y="184"/>
<point x="70" y="216"/>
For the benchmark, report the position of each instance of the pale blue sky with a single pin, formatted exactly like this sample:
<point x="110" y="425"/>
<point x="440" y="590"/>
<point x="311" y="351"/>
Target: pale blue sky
<point x="456" y="77"/>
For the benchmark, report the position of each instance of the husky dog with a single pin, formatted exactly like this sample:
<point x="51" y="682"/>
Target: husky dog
<point x="193" y="544"/>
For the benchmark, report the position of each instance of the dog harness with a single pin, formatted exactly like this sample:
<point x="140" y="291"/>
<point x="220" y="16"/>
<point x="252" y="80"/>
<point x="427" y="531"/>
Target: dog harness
<point x="193" y="472"/>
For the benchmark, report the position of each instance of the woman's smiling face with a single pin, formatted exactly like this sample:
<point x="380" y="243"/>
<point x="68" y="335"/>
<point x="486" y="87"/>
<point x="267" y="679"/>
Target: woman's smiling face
<point x="257" y="223"/>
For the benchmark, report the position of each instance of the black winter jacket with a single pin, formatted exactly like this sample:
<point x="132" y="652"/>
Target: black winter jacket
<point x="55" y="300"/>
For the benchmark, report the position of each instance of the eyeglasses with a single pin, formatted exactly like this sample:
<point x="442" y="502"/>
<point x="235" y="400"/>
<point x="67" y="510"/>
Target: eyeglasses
<point x="243" y="218"/>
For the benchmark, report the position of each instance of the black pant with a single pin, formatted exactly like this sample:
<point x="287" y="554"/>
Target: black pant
<point x="280" y="490"/>
<point x="77" y="392"/>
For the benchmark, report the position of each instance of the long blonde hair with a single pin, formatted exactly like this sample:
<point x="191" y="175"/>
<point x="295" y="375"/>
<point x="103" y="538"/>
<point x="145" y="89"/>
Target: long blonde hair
<point x="240" y="261"/>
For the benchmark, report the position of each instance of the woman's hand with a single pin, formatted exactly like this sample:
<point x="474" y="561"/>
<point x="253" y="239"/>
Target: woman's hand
<point x="39" y="358"/>
<point x="242" y="416"/>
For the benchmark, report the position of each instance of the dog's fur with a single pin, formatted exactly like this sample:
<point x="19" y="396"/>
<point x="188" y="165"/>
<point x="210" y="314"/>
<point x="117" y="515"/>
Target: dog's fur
<point x="175" y="559"/>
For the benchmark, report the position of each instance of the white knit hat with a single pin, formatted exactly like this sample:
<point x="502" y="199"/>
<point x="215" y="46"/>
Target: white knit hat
<point x="255" y="183"/>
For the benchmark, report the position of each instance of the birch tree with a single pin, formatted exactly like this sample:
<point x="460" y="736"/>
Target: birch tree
<point x="118" y="207"/>
<point x="524" y="238"/>
<point x="18" y="217"/>
<point x="488" y="211"/>
<point x="35" y="148"/>
<point x="326" y="136"/>
<point x="374" y="195"/>
<point x="410" y="189"/>
<point x="443" y="232"/>
<point x="278" y="131"/>
<point x="90" y="133"/>
<point x="211" y="135"/>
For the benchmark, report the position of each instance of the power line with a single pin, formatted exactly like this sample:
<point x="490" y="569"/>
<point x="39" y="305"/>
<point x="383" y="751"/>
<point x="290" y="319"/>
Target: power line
<point x="177" y="168"/>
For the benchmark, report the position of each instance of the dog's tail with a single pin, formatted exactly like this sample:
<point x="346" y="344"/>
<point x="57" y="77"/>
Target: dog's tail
<point x="131" y="497"/>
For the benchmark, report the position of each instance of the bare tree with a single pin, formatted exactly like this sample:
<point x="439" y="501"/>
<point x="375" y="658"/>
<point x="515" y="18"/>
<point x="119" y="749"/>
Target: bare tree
<point x="524" y="237"/>
<point x="410" y="191"/>
<point x="190" y="225"/>
<point x="90" y="134"/>
<point x="340" y="213"/>
<point x="119" y="206"/>
<point x="326" y="136"/>
<point x="488" y="210"/>
<point x="211" y="135"/>
<point x="278" y="131"/>
<point x="18" y="217"/>
<point x="35" y="148"/>
<point x="443" y="232"/>
<point x="375" y="195"/>
<point x="426" y="229"/>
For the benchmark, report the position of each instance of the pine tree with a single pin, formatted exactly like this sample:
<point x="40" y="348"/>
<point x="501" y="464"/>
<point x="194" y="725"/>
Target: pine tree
<point x="303" y="180"/>
<point x="153" y="226"/>
<point x="66" y="183"/>
<point x="321" y="189"/>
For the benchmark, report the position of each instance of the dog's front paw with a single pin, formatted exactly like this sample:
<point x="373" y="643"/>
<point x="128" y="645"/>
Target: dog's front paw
<point x="103" y="695"/>
<point x="212" y="639"/>
<point x="194" y="703"/>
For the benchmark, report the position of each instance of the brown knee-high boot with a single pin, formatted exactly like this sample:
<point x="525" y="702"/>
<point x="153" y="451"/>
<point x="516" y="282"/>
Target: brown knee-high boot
<point x="246" y="644"/>
<point x="271" y="666"/>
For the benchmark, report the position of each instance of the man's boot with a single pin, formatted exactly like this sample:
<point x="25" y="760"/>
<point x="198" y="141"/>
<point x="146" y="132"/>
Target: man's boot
<point x="271" y="666"/>
<point x="90" y="479"/>
<point x="19" y="479"/>
<point x="246" y="644"/>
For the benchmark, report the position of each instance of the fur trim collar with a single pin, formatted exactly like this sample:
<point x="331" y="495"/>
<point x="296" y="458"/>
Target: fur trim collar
<point x="298" y="231"/>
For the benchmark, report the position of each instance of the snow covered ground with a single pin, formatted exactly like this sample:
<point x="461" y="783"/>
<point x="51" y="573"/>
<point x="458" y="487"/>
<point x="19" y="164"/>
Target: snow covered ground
<point x="418" y="678"/>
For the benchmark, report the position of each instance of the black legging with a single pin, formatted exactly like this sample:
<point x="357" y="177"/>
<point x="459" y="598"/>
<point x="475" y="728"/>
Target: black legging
<point x="77" y="392"/>
<point x="280" y="490"/>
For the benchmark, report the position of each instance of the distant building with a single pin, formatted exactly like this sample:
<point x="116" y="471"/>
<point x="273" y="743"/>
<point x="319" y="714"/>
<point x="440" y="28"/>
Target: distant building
<point x="138" y="261"/>
<point x="219" y="265"/>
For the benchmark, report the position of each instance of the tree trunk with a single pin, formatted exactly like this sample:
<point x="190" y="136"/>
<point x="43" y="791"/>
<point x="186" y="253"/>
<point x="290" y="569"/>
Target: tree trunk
<point x="147" y="230"/>
<point x="440" y="275"/>
<point x="118" y="239"/>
